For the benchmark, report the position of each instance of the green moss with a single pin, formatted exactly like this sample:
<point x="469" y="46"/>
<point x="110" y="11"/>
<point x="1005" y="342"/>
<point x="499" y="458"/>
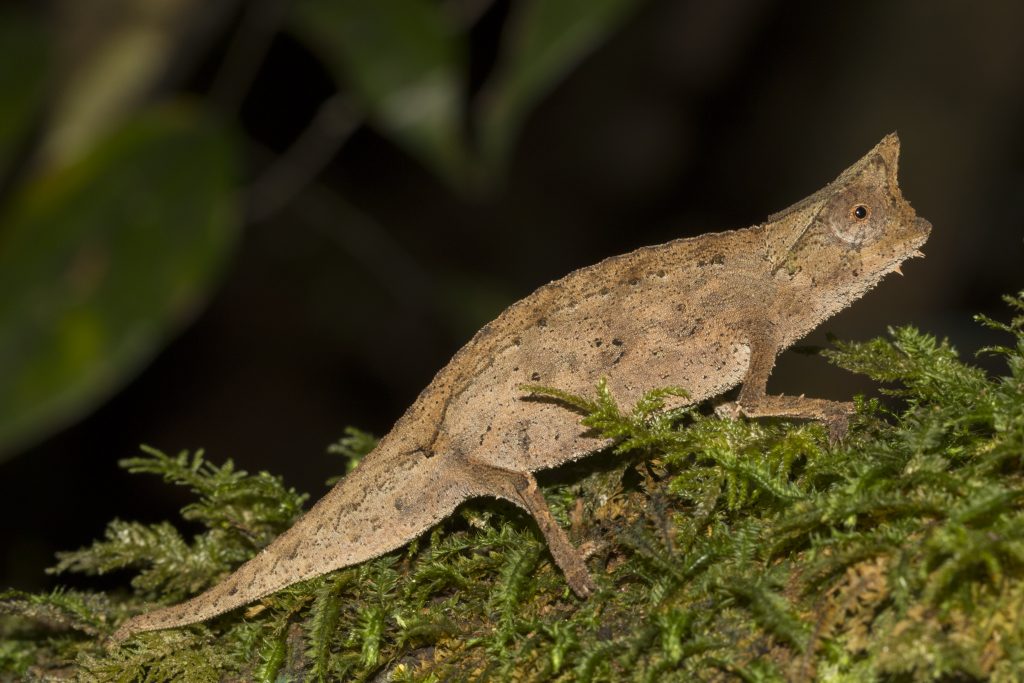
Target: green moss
<point x="747" y="550"/>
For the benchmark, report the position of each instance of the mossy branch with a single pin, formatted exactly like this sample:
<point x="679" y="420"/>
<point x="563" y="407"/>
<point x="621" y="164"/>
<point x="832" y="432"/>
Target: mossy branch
<point x="723" y="548"/>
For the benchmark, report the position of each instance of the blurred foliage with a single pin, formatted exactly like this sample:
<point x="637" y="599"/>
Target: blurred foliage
<point x="101" y="261"/>
<point x="121" y="203"/>
<point x="408" y="66"/>
<point x="23" y="68"/>
<point x="546" y="40"/>
<point x="407" y="61"/>
<point x="723" y="550"/>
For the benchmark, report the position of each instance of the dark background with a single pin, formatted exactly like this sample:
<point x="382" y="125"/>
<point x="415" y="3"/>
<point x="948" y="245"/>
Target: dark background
<point x="694" y="117"/>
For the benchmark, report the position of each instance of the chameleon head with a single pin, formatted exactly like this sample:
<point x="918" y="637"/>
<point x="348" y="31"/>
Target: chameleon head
<point x="857" y="229"/>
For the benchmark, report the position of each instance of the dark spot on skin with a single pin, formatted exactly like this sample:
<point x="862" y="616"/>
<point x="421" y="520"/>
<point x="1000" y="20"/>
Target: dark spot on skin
<point x="661" y="273"/>
<point x="716" y="260"/>
<point x="399" y="504"/>
<point x="524" y="438"/>
<point x="598" y="342"/>
<point x="517" y="341"/>
<point x="603" y="290"/>
<point x="617" y="342"/>
<point x="343" y="511"/>
<point x="542" y="322"/>
<point x="634" y="281"/>
<point x="535" y="377"/>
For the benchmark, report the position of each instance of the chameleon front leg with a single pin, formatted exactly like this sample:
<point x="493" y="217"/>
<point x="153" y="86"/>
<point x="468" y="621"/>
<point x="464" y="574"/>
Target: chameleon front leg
<point x="754" y="400"/>
<point x="521" y="489"/>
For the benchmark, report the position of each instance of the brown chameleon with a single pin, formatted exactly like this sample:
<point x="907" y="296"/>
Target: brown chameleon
<point x="705" y="313"/>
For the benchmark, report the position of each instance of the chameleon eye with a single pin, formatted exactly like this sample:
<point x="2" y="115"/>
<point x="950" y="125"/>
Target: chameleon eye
<point x="853" y="218"/>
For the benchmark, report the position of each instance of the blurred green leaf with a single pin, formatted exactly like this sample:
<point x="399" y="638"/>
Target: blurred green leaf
<point x="24" y="64"/>
<point x="406" y="62"/>
<point x="545" y="40"/>
<point x="101" y="261"/>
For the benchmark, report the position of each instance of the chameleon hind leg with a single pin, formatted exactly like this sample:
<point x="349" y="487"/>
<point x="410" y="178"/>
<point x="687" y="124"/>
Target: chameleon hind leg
<point x="520" y="488"/>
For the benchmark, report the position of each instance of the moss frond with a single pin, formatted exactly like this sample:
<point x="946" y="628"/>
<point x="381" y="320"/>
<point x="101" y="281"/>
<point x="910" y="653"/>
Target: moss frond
<point x="353" y="447"/>
<point x="241" y="513"/>
<point x="61" y="609"/>
<point x="254" y="508"/>
<point x="171" y="656"/>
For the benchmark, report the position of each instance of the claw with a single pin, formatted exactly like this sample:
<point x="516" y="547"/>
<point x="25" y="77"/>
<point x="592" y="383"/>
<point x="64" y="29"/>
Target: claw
<point x="898" y="270"/>
<point x="728" y="411"/>
<point x="837" y="428"/>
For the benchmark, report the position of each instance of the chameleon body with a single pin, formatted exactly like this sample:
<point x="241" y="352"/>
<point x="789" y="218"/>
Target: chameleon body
<point x="705" y="313"/>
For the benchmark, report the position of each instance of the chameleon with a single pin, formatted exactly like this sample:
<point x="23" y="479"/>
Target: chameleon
<point x="705" y="313"/>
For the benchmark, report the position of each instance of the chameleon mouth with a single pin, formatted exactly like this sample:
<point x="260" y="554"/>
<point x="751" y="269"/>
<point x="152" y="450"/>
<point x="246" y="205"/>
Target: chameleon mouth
<point x="924" y="229"/>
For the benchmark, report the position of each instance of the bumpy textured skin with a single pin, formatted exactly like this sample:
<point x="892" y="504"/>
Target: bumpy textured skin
<point x="705" y="313"/>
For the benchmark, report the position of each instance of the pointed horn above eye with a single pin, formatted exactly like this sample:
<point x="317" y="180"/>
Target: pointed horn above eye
<point x="889" y="150"/>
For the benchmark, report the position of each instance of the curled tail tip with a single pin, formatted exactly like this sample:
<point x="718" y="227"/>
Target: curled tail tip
<point x="123" y="632"/>
<point x="133" y="626"/>
<point x="129" y="628"/>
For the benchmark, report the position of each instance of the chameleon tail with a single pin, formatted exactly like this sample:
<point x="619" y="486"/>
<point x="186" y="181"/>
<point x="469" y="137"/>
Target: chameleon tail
<point x="384" y="503"/>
